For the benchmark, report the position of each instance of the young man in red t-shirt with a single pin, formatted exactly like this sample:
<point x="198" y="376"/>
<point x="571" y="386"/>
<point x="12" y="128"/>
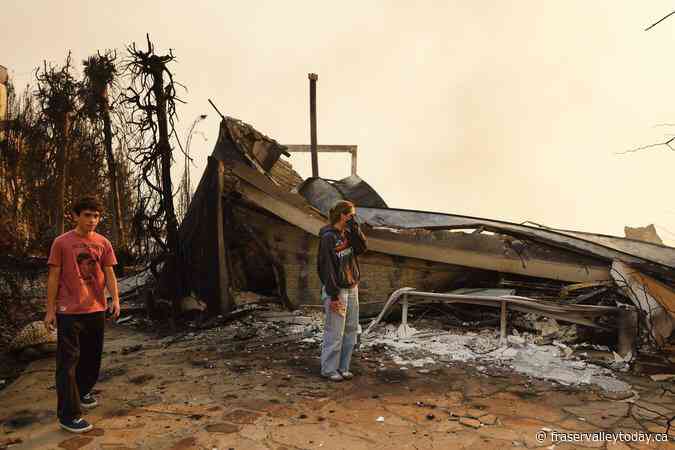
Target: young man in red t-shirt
<point x="80" y="268"/>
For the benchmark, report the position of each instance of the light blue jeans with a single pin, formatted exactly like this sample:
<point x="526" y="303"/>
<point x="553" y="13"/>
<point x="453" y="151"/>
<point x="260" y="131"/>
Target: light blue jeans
<point x="339" y="334"/>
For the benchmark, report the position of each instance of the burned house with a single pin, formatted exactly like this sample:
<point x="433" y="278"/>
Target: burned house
<point x="253" y="224"/>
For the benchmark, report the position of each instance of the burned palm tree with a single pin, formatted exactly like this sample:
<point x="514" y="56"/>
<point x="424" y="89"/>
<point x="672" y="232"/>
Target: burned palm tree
<point x="100" y="73"/>
<point x="57" y="93"/>
<point x="152" y="98"/>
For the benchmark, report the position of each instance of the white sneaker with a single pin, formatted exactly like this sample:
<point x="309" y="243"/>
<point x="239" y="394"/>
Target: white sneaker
<point x="347" y="375"/>
<point x="334" y="377"/>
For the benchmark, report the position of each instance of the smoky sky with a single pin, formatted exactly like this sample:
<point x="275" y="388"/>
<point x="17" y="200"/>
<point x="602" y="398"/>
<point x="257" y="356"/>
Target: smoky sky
<point x="508" y="110"/>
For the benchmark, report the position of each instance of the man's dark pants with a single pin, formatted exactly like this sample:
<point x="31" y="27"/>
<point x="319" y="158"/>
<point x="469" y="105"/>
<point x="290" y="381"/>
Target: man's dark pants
<point x="78" y="359"/>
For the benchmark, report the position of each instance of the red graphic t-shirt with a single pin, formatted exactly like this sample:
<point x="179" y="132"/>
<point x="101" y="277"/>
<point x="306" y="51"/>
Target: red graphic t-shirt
<point x="82" y="282"/>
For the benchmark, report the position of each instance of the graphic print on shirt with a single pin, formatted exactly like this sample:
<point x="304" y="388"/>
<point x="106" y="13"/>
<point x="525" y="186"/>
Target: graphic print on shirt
<point x="88" y="259"/>
<point x="343" y="250"/>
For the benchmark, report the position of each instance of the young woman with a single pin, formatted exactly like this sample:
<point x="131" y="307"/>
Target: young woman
<point x="340" y="244"/>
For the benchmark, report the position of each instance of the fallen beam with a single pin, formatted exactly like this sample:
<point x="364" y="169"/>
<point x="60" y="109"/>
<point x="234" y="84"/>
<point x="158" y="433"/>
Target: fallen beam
<point x="540" y="268"/>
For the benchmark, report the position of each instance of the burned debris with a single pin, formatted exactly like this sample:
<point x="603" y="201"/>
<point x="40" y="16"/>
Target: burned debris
<point x="248" y="245"/>
<point x="269" y="219"/>
<point x="481" y="310"/>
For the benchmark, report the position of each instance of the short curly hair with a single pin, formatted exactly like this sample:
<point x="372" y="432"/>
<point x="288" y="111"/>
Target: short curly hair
<point x="87" y="202"/>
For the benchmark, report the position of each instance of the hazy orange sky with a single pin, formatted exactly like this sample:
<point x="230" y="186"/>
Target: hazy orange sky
<point x="510" y="110"/>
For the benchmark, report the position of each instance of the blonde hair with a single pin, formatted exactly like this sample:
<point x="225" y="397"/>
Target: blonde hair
<point x="338" y="209"/>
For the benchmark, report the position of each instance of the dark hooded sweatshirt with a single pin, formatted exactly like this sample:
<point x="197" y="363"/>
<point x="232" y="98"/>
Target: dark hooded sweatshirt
<point x="337" y="263"/>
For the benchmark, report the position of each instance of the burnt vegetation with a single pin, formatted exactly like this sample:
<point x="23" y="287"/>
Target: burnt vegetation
<point x="107" y="128"/>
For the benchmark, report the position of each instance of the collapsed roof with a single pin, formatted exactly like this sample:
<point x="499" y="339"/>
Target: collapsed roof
<point x="246" y="168"/>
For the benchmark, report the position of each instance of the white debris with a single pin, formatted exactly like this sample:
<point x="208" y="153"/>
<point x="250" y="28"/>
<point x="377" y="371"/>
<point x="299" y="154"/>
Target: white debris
<point x="566" y="351"/>
<point x="602" y="348"/>
<point x="621" y="363"/>
<point x="413" y="362"/>
<point x="553" y="362"/>
<point x="506" y="353"/>
<point x="623" y="359"/>
<point x="610" y="384"/>
<point x="545" y="362"/>
<point x="379" y="419"/>
<point x="405" y="331"/>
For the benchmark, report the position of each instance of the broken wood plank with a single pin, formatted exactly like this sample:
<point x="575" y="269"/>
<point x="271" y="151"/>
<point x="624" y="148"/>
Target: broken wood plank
<point x="521" y="284"/>
<point x="585" y="297"/>
<point x="565" y="292"/>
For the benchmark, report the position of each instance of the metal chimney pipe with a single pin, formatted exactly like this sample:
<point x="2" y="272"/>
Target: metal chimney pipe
<point x="312" y="123"/>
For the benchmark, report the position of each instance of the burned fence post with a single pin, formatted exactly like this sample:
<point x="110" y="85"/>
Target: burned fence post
<point x="312" y="123"/>
<point x="224" y="297"/>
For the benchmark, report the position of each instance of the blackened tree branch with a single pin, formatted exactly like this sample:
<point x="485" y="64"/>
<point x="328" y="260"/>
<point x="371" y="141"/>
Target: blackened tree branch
<point x="659" y="21"/>
<point x="647" y="147"/>
<point x="152" y="98"/>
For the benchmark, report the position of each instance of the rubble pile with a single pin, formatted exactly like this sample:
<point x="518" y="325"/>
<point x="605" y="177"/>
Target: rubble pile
<point x="557" y="362"/>
<point x="540" y="354"/>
